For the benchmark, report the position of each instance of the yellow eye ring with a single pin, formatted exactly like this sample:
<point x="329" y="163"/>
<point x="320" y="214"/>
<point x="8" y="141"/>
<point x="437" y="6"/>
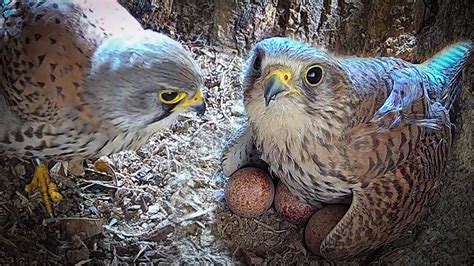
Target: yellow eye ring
<point x="314" y="75"/>
<point x="171" y="96"/>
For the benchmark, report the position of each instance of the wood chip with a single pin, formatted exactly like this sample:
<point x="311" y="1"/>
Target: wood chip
<point x="83" y="227"/>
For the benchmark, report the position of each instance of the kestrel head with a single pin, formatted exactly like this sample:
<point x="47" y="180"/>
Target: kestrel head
<point x="142" y="79"/>
<point x="286" y="79"/>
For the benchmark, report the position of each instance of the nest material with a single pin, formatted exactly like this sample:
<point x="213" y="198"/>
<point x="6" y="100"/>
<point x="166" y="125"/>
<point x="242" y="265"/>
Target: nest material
<point x="164" y="203"/>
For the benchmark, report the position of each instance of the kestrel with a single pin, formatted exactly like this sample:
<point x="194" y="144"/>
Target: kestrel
<point x="375" y="132"/>
<point x="83" y="79"/>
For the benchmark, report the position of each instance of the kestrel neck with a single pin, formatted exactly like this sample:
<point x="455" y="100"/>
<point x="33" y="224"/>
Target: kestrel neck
<point x="299" y="138"/>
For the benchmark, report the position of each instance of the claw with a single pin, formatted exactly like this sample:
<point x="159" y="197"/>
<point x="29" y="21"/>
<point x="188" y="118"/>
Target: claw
<point x="48" y="189"/>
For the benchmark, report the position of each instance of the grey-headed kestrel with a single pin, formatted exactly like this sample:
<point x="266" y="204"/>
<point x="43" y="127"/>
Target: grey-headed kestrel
<point x="375" y="132"/>
<point x="83" y="79"/>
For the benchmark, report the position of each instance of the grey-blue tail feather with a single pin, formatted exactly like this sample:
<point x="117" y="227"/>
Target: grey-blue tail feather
<point x="444" y="69"/>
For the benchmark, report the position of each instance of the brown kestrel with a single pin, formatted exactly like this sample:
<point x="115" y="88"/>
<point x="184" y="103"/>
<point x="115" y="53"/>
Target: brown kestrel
<point x="375" y="132"/>
<point x="83" y="79"/>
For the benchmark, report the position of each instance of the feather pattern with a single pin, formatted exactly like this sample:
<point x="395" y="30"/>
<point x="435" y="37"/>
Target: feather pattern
<point x="80" y="78"/>
<point x="375" y="132"/>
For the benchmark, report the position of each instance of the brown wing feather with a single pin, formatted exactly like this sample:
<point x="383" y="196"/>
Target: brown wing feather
<point x="388" y="139"/>
<point x="48" y="49"/>
<point x="377" y="151"/>
<point x="380" y="212"/>
<point x="393" y="202"/>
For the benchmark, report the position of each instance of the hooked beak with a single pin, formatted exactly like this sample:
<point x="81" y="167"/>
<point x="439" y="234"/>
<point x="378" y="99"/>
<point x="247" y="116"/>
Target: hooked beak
<point x="197" y="103"/>
<point x="200" y="109"/>
<point x="276" y="83"/>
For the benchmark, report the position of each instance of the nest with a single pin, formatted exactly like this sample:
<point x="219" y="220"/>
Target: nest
<point x="165" y="202"/>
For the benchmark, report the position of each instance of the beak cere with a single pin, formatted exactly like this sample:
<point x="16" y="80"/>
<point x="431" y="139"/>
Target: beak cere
<point x="275" y="84"/>
<point x="197" y="103"/>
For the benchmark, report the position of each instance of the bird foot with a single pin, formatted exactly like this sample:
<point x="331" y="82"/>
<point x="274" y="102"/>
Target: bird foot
<point x="48" y="189"/>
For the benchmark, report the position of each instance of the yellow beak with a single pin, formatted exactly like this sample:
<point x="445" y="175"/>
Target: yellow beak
<point x="197" y="103"/>
<point x="277" y="82"/>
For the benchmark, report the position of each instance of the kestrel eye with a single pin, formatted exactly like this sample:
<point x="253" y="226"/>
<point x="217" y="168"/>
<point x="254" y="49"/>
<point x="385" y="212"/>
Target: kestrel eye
<point x="170" y="97"/>
<point x="314" y="75"/>
<point x="257" y="63"/>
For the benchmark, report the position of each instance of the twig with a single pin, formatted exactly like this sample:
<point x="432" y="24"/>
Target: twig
<point x="269" y="227"/>
<point x="117" y="232"/>
<point x="194" y="215"/>
<point x="6" y="241"/>
<point x="82" y="262"/>
<point x="168" y="161"/>
<point x="100" y="183"/>
<point x="140" y="252"/>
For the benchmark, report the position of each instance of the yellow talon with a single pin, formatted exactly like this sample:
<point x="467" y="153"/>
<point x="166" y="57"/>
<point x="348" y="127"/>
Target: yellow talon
<point x="48" y="189"/>
<point x="53" y="192"/>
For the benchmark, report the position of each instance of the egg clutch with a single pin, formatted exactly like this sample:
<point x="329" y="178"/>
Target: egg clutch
<point x="250" y="192"/>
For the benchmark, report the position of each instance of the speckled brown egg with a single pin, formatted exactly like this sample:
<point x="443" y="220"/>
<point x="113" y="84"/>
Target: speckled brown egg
<point x="289" y="207"/>
<point x="321" y="224"/>
<point x="249" y="192"/>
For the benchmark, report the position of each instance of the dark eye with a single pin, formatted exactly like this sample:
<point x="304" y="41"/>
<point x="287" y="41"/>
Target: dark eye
<point x="170" y="97"/>
<point x="314" y="75"/>
<point x="257" y="62"/>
